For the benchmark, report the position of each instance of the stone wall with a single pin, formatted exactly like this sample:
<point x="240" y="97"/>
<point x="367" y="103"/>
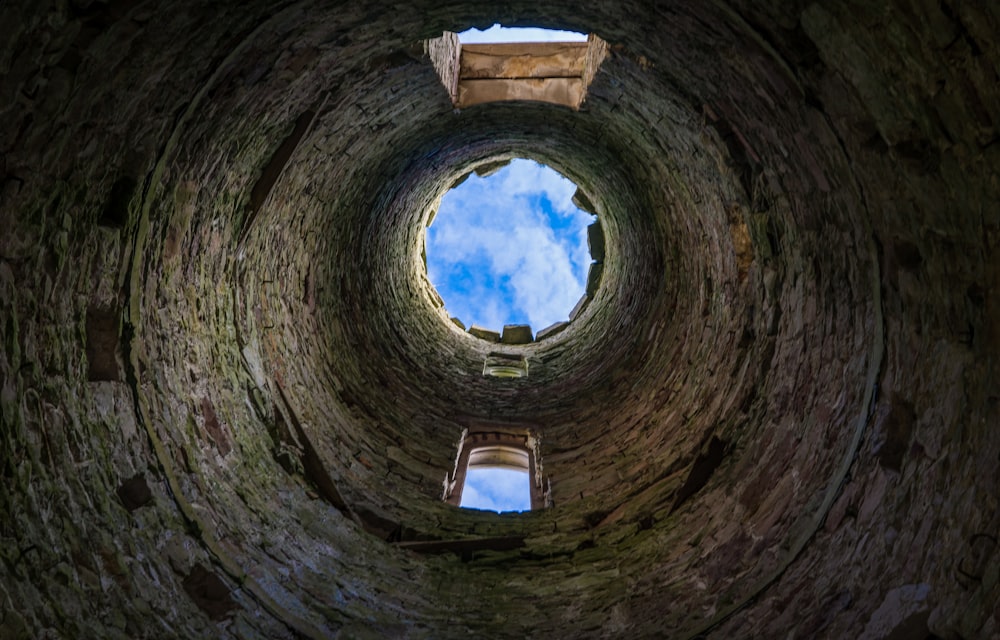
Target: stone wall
<point x="229" y="399"/>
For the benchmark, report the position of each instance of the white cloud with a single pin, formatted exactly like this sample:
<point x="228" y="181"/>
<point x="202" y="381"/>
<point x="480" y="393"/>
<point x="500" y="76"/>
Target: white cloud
<point x="495" y="489"/>
<point x="496" y="33"/>
<point x="498" y="229"/>
<point x="526" y="177"/>
<point x="472" y="499"/>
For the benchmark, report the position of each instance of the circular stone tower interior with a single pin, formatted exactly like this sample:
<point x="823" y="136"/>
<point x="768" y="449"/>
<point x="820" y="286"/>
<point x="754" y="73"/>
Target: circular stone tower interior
<point x="230" y="401"/>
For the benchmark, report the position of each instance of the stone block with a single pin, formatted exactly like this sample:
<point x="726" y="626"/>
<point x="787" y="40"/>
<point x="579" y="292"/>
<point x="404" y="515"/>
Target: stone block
<point x="595" y="239"/>
<point x="579" y="307"/>
<point x="484" y="334"/>
<point x="551" y="330"/>
<point x="516" y="334"/>
<point x="583" y="202"/>
<point x="594" y="278"/>
<point x="487" y="169"/>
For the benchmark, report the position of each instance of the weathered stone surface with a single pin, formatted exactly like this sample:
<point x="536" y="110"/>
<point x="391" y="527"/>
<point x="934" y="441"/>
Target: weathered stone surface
<point x="522" y="60"/>
<point x="516" y="334"/>
<point x="898" y="615"/>
<point x="563" y="91"/>
<point x="554" y="72"/>
<point x="484" y="334"/>
<point x="135" y="493"/>
<point x="594" y="275"/>
<point x="551" y="330"/>
<point x="583" y="202"/>
<point x="489" y="168"/>
<point x="209" y="592"/>
<point x="203" y="204"/>
<point x="595" y="240"/>
<point x="102" y="344"/>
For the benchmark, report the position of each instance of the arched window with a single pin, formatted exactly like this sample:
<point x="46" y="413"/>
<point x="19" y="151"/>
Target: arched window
<point x="497" y="446"/>
<point x="555" y="72"/>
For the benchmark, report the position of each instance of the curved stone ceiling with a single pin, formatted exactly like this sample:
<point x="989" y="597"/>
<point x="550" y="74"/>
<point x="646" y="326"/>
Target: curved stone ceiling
<point x="230" y="399"/>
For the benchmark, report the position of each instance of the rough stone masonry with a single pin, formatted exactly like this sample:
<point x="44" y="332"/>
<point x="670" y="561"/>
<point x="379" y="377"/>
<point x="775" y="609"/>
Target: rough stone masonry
<point x="228" y="400"/>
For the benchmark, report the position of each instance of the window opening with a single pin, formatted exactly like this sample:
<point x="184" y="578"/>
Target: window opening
<point x="508" y="248"/>
<point x="505" y="365"/>
<point x="499" y="33"/>
<point x="478" y="68"/>
<point x="496" y="489"/>
<point x="497" y="469"/>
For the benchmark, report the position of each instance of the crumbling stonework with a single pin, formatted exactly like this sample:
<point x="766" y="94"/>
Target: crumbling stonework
<point x="228" y="397"/>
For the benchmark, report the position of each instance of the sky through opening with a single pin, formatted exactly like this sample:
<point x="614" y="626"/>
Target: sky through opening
<point x="497" y="33"/>
<point x="494" y="489"/>
<point x="510" y="248"/>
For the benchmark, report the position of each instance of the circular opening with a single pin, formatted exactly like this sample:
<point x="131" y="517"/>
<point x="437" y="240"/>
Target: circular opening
<point x="508" y="245"/>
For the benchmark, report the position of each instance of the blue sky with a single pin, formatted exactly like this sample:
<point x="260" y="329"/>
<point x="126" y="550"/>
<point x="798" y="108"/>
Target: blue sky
<point x="510" y="248"/>
<point x="496" y="490"/>
<point x="496" y="33"/>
